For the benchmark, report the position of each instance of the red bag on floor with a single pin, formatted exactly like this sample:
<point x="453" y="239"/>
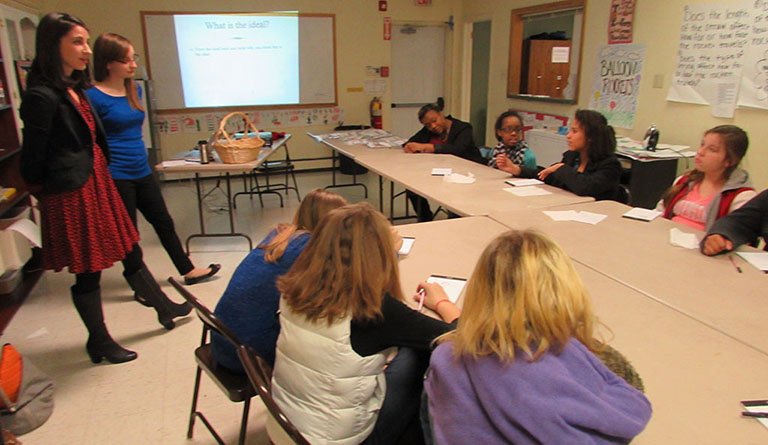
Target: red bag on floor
<point x="26" y="393"/>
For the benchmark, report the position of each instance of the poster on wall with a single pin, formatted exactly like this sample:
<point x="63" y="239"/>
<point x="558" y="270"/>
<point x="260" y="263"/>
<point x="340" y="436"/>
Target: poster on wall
<point x="272" y="120"/>
<point x="620" y="21"/>
<point x="714" y="42"/>
<point x="617" y="83"/>
<point x="754" y="76"/>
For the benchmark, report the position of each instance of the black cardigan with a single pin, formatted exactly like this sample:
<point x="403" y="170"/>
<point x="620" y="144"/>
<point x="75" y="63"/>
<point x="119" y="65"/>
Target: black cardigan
<point x="459" y="142"/>
<point x="745" y="224"/>
<point x="57" y="149"/>
<point x="599" y="180"/>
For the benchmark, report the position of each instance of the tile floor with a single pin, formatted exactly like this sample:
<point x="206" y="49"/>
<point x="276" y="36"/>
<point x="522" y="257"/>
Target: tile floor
<point x="148" y="399"/>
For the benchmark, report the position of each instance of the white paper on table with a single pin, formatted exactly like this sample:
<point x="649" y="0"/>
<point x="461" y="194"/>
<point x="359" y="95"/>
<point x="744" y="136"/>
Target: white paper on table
<point x="174" y="163"/>
<point x="530" y="190"/>
<point x="522" y="182"/>
<point x="561" y="215"/>
<point x="757" y="259"/>
<point x="589" y="217"/>
<point x="453" y="286"/>
<point x="681" y="239"/>
<point x="458" y="178"/>
<point x="438" y="171"/>
<point x="407" y="245"/>
<point x="758" y="406"/>
<point x="642" y="214"/>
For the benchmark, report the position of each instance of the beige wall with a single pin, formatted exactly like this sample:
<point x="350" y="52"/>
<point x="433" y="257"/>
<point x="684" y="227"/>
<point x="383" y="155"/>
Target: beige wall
<point x="359" y="42"/>
<point x="657" y="26"/>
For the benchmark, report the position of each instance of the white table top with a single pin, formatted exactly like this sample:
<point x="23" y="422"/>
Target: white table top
<point x="694" y="375"/>
<point x="639" y="254"/>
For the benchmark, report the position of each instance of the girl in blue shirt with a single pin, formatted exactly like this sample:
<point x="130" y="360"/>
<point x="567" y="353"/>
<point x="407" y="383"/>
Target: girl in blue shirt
<point x="115" y="99"/>
<point x="249" y="305"/>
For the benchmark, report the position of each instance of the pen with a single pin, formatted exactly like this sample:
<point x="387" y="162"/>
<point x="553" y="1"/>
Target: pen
<point x="738" y="269"/>
<point x="759" y="414"/>
<point x="422" y="294"/>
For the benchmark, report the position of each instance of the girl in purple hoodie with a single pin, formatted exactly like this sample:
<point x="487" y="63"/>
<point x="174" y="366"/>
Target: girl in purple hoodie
<point x="520" y="367"/>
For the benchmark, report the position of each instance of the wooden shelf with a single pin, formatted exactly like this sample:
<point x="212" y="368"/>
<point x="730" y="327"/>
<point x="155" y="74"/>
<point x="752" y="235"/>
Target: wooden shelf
<point x="9" y="204"/>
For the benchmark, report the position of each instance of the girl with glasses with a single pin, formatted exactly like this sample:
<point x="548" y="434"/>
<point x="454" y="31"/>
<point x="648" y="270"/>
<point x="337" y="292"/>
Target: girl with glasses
<point x="512" y="154"/>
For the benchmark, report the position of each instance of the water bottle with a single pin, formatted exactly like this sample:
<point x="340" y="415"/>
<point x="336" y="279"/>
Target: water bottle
<point x="204" y="157"/>
<point x="651" y="138"/>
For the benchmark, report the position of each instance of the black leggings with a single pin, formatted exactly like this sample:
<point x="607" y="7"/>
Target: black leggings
<point x="89" y="281"/>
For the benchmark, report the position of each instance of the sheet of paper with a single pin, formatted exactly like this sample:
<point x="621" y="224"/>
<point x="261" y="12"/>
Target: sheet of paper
<point x="174" y="163"/>
<point x="757" y="406"/>
<point x="405" y="249"/>
<point x="458" y="178"/>
<point x="522" y="182"/>
<point x="681" y="239"/>
<point x="589" y="217"/>
<point x="561" y="215"/>
<point x="441" y="171"/>
<point x="29" y="230"/>
<point x="453" y="286"/>
<point x="757" y="259"/>
<point x="642" y="214"/>
<point x="530" y="190"/>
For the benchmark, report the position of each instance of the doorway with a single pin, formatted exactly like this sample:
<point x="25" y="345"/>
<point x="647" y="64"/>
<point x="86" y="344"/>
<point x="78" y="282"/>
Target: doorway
<point x="417" y="74"/>
<point x="478" y="84"/>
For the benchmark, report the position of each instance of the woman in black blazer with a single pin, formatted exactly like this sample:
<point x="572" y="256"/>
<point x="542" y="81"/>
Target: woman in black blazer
<point x="85" y="227"/>
<point x="590" y="166"/>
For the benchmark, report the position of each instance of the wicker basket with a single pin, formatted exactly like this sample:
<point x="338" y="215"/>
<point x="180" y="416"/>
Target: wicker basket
<point x="237" y="151"/>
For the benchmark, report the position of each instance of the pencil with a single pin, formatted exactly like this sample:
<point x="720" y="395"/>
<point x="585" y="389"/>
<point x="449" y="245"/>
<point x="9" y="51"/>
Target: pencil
<point x="738" y="269"/>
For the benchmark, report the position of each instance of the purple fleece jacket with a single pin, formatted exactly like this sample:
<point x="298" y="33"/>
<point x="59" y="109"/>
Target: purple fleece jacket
<point x="569" y="397"/>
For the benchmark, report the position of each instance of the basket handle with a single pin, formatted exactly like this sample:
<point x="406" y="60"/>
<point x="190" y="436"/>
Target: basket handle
<point x="248" y="125"/>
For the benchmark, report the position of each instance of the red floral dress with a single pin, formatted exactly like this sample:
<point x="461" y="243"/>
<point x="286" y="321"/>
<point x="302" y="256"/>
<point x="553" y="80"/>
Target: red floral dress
<point x="87" y="229"/>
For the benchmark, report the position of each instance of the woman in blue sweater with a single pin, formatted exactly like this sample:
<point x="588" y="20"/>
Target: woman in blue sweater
<point x="249" y="305"/>
<point x="115" y="99"/>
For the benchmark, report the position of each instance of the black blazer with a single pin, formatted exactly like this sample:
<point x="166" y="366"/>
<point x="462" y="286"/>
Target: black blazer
<point x="599" y="180"/>
<point x="459" y="142"/>
<point x="57" y="149"/>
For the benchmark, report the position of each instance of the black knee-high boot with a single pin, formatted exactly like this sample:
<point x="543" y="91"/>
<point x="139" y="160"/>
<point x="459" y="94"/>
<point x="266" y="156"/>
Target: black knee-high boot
<point x="100" y="344"/>
<point x="143" y="283"/>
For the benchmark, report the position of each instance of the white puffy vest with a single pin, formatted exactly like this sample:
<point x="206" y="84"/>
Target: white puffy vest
<point x="328" y="391"/>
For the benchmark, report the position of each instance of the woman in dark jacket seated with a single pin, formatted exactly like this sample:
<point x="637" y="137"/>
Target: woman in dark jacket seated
<point x="441" y="135"/>
<point x="589" y="167"/>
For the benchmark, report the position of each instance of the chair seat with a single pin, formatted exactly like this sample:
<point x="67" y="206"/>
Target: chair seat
<point x="237" y="387"/>
<point x="275" y="166"/>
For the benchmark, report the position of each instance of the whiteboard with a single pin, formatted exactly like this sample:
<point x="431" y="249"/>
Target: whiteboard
<point x="317" y="61"/>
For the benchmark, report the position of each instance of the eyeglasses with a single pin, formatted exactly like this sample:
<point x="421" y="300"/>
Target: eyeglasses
<point x="127" y="61"/>
<point x="510" y="129"/>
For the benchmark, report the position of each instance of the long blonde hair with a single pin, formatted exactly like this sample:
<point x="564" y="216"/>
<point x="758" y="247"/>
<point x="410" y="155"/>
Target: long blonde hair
<point x="524" y="295"/>
<point x="347" y="267"/>
<point x="313" y="207"/>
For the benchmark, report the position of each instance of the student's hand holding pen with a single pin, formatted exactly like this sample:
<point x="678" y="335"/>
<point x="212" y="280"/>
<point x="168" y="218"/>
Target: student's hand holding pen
<point x="716" y="243"/>
<point x="433" y="296"/>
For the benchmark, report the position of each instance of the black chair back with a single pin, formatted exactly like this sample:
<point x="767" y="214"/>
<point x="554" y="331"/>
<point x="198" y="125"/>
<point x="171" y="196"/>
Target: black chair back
<point x="206" y="316"/>
<point x="260" y="374"/>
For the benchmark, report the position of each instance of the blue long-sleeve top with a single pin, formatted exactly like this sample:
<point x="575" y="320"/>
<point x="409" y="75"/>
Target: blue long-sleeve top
<point x="250" y="302"/>
<point x="122" y="125"/>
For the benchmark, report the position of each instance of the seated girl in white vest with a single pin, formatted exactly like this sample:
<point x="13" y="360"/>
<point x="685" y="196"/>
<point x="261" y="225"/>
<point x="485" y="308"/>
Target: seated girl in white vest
<point x="521" y="366"/>
<point x="342" y="316"/>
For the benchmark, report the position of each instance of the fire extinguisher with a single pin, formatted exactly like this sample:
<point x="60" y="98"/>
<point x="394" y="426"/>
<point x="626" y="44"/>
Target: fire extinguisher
<point x="376" y="121"/>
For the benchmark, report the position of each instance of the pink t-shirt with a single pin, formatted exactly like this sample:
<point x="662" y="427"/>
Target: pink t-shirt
<point x="691" y="209"/>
